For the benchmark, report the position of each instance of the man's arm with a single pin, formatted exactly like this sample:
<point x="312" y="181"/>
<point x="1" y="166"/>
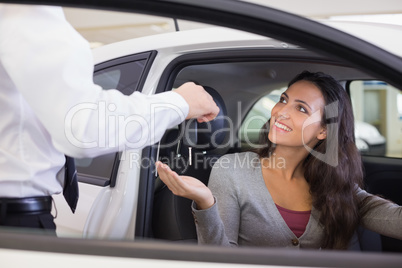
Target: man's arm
<point x="52" y="67"/>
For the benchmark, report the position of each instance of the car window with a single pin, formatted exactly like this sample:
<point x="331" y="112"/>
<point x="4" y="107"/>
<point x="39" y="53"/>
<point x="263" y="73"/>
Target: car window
<point x="108" y="79"/>
<point x="377" y="108"/>
<point x="124" y="75"/>
<point x="256" y="118"/>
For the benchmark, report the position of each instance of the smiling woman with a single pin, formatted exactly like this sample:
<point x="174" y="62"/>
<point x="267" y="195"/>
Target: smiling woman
<point x="324" y="167"/>
<point x="263" y="205"/>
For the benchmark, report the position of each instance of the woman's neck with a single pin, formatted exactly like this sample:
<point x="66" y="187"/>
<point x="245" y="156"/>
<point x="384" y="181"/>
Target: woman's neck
<point x="285" y="180"/>
<point x="287" y="161"/>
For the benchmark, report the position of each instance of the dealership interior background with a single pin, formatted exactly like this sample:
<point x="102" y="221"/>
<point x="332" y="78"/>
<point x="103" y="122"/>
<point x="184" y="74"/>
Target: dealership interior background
<point x="104" y="27"/>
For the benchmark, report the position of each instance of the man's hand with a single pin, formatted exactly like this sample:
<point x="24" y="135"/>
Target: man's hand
<point x="202" y="105"/>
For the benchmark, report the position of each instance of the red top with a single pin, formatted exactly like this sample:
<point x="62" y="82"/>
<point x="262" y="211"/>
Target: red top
<point x="296" y="220"/>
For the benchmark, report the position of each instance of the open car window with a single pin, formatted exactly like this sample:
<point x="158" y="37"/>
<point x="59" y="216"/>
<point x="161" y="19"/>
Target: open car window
<point x="256" y="118"/>
<point x="377" y="108"/>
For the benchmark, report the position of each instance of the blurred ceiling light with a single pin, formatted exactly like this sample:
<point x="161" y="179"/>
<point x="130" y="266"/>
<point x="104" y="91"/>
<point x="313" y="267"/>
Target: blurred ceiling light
<point x="379" y="18"/>
<point x="95" y="44"/>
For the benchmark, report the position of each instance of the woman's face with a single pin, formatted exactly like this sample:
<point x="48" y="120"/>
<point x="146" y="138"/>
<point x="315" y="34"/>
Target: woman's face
<point x="296" y="118"/>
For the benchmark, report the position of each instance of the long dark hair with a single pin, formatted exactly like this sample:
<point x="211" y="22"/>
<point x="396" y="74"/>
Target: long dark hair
<point x="333" y="168"/>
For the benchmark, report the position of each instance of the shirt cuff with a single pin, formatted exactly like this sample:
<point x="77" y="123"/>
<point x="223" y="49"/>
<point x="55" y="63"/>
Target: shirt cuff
<point x="177" y="99"/>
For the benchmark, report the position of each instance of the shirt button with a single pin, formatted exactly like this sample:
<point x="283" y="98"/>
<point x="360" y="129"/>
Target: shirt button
<point x="295" y="242"/>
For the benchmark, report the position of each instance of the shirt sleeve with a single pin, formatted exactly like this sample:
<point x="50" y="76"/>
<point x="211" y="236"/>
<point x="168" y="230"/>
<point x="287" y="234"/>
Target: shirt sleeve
<point x="52" y="67"/>
<point x="383" y="216"/>
<point x="219" y="225"/>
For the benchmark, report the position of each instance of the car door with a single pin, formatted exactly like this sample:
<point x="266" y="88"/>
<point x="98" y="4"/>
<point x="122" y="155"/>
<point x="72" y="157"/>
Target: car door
<point x="98" y="176"/>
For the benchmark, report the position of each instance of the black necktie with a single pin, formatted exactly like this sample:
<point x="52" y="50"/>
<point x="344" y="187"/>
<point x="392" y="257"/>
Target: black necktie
<point x="70" y="190"/>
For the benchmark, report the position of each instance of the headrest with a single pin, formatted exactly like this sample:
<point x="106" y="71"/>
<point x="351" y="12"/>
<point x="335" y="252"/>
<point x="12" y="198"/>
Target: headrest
<point x="208" y="135"/>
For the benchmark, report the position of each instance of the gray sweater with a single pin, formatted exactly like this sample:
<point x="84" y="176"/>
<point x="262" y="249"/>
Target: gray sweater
<point x="244" y="213"/>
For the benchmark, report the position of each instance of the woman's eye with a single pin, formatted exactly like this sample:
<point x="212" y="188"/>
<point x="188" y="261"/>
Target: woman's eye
<point x="301" y="109"/>
<point x="282" y="100"/>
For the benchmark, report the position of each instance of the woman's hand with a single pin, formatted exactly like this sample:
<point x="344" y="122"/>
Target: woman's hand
<point x="186" y="186"/>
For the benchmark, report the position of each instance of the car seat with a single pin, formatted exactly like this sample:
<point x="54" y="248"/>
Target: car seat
<point x="193" y="142"/>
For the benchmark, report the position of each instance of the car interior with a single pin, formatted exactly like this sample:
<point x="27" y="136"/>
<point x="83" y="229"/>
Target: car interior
<point x="242" y="82"/>
<point x="236" y="84"/>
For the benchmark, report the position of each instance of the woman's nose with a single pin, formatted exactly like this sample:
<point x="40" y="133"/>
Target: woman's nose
<point x="282" y="115"/>
<point x="280" y="111"/>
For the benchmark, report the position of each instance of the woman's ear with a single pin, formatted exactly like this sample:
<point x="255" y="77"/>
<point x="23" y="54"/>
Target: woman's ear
<point x="322" y="135"/>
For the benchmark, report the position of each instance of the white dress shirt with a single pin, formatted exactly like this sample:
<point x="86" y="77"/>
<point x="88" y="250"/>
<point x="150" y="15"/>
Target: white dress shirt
<point x="51" y="107"/>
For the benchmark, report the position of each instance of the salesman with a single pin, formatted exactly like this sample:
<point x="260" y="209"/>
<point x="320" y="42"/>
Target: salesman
<point x="46" y="71"/>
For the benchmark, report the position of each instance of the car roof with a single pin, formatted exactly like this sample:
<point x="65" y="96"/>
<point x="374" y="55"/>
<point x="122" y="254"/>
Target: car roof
<point x="196" y="40"/>
<point x="385" y="36"/>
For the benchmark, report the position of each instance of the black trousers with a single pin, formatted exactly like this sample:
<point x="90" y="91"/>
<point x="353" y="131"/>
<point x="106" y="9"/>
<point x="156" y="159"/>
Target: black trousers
<point x="28" y="214"/>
